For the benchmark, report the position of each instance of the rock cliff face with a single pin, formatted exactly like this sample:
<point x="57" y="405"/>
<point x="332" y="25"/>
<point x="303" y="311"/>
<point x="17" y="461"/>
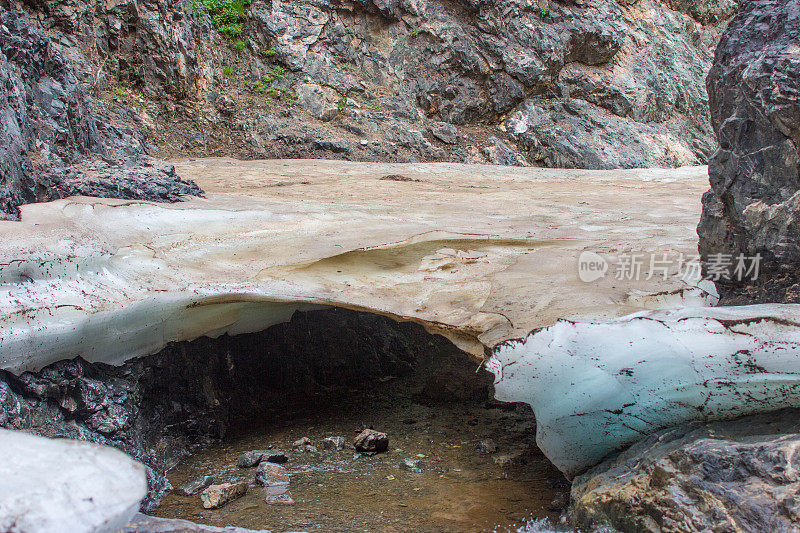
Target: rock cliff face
<point x="602" y="84"/>
<point x="753" y="204"/>
<point x="52" y="142"/>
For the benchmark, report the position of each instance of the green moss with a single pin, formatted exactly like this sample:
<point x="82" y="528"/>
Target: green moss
<point x="227" y="71"/>
<point x="239" y="45"/>
<point x="270" y="52"/>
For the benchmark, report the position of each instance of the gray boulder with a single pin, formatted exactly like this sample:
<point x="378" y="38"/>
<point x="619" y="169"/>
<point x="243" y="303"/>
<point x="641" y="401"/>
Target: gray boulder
<point x="737" y="475"/>
<point x="754" y="201"/>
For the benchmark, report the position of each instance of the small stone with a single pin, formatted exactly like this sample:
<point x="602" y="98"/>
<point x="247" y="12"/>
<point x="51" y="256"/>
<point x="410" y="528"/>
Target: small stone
<point x="216" y="496"/>
<point x="304" y="445"/>
<point x="279" y="499"/>
<point x="371" y="442"/>
<point x="301" y="442"/>
<point x="516" y="457"/>
<point x="196" y="485"/>
<point x="412" y="465"/>
<point x="333" y="443"/>
<point x="271" y="475"/>
<point x="486" y="446"/>
<point x="254" y="457"/>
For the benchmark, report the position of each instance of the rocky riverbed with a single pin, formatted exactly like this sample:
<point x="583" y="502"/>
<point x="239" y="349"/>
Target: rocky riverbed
<point x="453" y="464"/>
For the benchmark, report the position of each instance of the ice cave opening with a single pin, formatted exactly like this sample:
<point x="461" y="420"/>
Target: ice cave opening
<point x="457" y="458"/>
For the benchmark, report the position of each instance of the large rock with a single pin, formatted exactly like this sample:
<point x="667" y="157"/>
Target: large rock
<point x="725" y="476"/>
<point x="52" y="143"/>
<point x="142" y="523"/>
<point x="754" y="84"/>
<point x="53" y="485"/>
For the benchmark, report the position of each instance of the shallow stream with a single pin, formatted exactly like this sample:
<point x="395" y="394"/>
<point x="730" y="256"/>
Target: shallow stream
<point x="457" y="489"/>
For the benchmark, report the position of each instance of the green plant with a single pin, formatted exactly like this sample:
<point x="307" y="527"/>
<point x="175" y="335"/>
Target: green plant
<point x="270" y="52"/>
<point x="226" y="15"/>
<point x="413" y="32"/>
<point x="273" y="92"/>
<point x="376" y="107"/>
<point x="227" y="71"/>
<point x="342" y="104"/>
<point x="276" y="73"/>
<point x="544" y="12"/>
<point x="239" y="45"/>
<point x="258" y="86"/>
<point x="119" y="91"/>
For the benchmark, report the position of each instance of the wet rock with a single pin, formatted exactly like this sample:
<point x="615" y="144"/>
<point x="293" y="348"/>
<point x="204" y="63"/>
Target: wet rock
<point x="254" y="457"/>
<point x="304" y="445"/>
<point x="278" y="495"/>
<point x="486" y="446"/>
<point x="270" y="474"/>
<point x="370" y="442"/>
<point x="512" y="458"/>
<point x="753" y="206"/>
<point x="280" y="499"/>
<point x="413" y="465"/>
<point x="250" y="459"/>
<point x="217" y="496"/>
<point x="196" y="485"/>
<point x="142" y="523"/>
<point x="740" y="475"/>
<point x="333" y="443"/>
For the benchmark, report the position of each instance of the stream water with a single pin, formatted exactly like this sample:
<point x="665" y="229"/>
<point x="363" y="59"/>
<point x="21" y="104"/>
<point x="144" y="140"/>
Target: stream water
<point x="456" y="489"/>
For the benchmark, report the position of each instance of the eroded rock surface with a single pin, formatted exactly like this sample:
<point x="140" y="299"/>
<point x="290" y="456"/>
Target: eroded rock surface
<point x="601" y="84"/>
<point x="740" y="475"/>
<point x="52" y="141"/>
<point x="752" y="207"/>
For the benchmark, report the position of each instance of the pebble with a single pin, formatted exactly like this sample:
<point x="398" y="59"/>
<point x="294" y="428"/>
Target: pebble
<point x="196" y="485"/>
<point x="254" y="457"/>
<point x="516" y="457"/>
<point x="270" y="475"/>
<point x="371" y="442"/>
<point x="486" y="446"/>
<point x="333" y="443"/>
<point x="215" y="496"/>
<point x="412" y="465"/>
<point x="304" y="445"/>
